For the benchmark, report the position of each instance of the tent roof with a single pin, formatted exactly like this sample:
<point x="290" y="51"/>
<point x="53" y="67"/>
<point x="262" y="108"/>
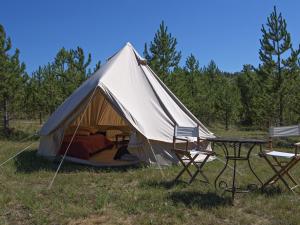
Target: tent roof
<point x="136" y="93"/>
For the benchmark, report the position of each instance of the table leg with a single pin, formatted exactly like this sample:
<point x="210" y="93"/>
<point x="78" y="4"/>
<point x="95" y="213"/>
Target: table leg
<point x="233" y="189"/>
<point x="233" y="181"/>
<point x="249" y="163"/>
<point x="224" y="148"/>
<point x="237" y="155"/>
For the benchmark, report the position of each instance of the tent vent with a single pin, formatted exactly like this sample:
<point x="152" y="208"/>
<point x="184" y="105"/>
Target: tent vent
<point x="142" y="61"/>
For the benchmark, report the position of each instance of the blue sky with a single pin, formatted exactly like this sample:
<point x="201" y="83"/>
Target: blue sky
<point x="226" y="31"/>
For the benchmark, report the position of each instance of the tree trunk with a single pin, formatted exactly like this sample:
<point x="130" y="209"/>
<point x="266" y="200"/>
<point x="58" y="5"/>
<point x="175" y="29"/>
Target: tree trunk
<point x="279" y="85"/>
<point x="5" y="116"/>
<point x="281" y="110"/>
<point x="40" y="115"/>
<point x="226" y="120"/>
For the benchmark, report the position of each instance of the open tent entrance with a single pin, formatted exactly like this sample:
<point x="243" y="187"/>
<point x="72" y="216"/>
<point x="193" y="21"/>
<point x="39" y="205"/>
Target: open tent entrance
<point x="101" y="137"/>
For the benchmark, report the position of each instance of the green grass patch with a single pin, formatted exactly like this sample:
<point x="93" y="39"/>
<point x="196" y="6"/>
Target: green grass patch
<point x="86" y="195"/>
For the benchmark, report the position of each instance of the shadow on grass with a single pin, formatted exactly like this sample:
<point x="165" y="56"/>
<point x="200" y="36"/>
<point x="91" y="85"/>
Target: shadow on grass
<point x="18" y="135"/>
<point x="271" y="191"/>
<point x="168" y="184"/>
<point x="29" y="162"/>
<point x="201" y="200"/>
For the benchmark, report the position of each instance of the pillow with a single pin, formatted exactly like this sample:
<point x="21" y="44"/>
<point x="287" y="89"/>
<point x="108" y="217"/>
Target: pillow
<point x="82" y="133"/>
<point x="93" y="130"/>
<point x="82" y="130"/>
<point x="90" y="129"/>
<point x="70" y="131"/>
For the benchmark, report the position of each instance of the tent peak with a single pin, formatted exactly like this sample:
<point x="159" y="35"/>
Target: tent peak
<point x="141" y="60"/>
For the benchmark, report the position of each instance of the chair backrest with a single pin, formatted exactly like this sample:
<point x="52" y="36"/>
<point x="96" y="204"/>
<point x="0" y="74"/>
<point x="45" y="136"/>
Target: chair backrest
<point x="284" y="131"/>
<point x="287" y="131"/>
<point x="186" y="131"/>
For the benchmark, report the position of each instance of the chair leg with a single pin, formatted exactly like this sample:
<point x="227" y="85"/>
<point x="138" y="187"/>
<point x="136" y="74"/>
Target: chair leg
<point x="187" y="165"/>
<point x="289" y="167"/>
<point x="286" y="169"/>
<point x="277" y="175"/>
<point x="274" y="177"/>
<point x="204" y="176"/>
<point x="282" y="169"/>
<point x="182" y="171"/>
<point x="185" y="168"/>
<point x="199" y="170"/>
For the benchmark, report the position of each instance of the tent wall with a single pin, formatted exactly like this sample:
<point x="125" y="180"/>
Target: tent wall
<point x="169" y="97"/>
<point x="153" y="152"/>
<point x="50" y="144"/>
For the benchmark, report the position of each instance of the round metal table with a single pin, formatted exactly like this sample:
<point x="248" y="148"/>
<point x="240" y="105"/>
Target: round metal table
<point x="232" y="148"/>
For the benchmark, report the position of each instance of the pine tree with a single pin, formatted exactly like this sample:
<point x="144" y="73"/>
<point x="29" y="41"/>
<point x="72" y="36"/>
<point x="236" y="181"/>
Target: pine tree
<point x="36" y="96"/>
<point x="52" y="88"/>
<point x="292" y="111"/>
<point x="95" y="69"/>
<point x="275" y="44"/>
<point x="50" y="85"/>
<point x="70" y="67"/>
<point x="12" y="78"/>
<point x="163" y="56"/>
<point x="192" y="64"/>
<point x="208" y="97"/>
<point x="192" y="70"/>
<point x="227" y="102"/>
<point x="247" y="82"/>
<point x="212" y="72"/>
<point x="97" y="66"/>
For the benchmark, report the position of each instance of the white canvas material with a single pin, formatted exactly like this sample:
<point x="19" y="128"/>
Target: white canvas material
<point x="284" y="131"/>
<point x="200" y="157"/>
<point x="136" y="94"/>
<point x="186" y="131"/>
<point x="281" y="154"/>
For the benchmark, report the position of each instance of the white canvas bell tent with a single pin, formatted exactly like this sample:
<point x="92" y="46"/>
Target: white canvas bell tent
<point x="126" y="94"/>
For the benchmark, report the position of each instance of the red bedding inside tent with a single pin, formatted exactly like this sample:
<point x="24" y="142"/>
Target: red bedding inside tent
<point x="85" y="146"/>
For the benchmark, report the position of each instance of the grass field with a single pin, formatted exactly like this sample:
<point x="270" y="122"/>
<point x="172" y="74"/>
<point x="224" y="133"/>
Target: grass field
<point x="85" y="195"/>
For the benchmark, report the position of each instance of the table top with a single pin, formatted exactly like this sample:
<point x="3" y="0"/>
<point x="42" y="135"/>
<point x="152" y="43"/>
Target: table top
<point x="237" y="140"/>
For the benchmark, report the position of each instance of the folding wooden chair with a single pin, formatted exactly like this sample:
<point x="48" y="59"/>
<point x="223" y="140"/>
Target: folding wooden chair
<point x="280" y="161"/>
<point x="190" y="147"/>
